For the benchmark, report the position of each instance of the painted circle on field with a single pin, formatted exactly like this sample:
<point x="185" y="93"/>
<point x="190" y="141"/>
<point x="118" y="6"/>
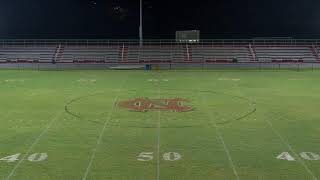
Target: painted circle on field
<point x="208" y="108"/>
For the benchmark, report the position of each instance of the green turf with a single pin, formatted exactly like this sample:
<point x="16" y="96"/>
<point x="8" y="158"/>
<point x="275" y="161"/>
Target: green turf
<point x="242" y="120"/>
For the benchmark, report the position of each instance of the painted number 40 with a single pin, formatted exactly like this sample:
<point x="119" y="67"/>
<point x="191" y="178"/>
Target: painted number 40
<point x="36" y="157"/>
<point x="305" y="155"/>
<point x="169" y="156"/>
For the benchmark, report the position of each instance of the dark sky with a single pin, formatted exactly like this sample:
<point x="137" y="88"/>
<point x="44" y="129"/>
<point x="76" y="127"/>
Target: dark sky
<point x="120" y="18"/>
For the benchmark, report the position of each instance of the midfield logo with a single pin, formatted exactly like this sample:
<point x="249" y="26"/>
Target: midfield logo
<point x="145" y="104"/>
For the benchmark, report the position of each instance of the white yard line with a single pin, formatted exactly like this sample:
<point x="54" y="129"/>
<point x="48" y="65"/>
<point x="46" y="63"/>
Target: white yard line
<point x="33" y="144"/>
<point x="101" y="135"/>
<point x="158" y="139"/>
<point x="226" y="150"/>
<point x="285" y="142"/>
<point x="220" y="137"/>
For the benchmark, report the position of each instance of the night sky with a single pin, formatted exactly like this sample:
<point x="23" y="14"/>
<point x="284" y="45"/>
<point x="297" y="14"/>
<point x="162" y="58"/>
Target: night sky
<point x="120" y="18"/>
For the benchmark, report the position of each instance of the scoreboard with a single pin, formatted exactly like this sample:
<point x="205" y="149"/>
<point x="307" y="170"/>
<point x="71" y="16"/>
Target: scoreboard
<point x="192" y="36"/>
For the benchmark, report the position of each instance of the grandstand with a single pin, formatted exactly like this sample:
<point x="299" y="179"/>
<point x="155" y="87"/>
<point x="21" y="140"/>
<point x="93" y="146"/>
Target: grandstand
<point x="159" y="52"/>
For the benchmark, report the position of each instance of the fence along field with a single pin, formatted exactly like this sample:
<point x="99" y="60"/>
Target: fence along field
<point x="181" y="125"/>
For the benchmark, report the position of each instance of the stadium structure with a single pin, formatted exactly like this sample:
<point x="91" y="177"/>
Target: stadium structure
<point x="162" y="110"/>
<point x="161" y="53"/>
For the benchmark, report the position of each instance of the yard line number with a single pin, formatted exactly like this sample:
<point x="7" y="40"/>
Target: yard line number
<point x="143" y="156"/>
<point x="169" y="156"/>
<point x="36" y="157"/>
<point x="311" y="156"/>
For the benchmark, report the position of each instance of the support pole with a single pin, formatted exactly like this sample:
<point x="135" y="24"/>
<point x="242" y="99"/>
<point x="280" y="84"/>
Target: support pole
<point x="140" y="27"/>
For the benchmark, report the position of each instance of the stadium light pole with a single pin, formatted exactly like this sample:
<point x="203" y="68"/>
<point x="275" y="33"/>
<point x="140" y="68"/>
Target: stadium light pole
<point x="140" y="27"/>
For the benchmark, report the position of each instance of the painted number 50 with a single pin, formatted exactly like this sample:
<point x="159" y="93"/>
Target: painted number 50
<point x="169" y="156"/>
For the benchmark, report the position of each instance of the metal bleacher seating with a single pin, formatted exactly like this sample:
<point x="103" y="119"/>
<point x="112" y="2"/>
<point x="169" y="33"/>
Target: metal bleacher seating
<point x="90" y="54"/>
<point x="24" y="54"/>
<point x="284" y="54"/>
<point x="220" y="53"/>
<point x="172" y="52"/>
<point x="155" y="54"/>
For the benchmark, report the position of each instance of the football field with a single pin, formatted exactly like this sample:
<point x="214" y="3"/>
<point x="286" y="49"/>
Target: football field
<point x="160" y="125"/>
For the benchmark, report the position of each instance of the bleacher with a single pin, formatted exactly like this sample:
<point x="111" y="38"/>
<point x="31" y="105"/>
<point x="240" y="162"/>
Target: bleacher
<point x="90" y="54"/>
<point x="26" y="54"/>
<point x="155" y="54"/>
<point x="284" y="54"/>
<point x="172" y="52"/>
<point x="220" y="53"/>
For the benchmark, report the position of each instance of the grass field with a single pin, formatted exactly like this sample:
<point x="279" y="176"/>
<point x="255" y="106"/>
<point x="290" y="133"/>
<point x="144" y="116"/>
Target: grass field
<point x="250" y="125"/>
